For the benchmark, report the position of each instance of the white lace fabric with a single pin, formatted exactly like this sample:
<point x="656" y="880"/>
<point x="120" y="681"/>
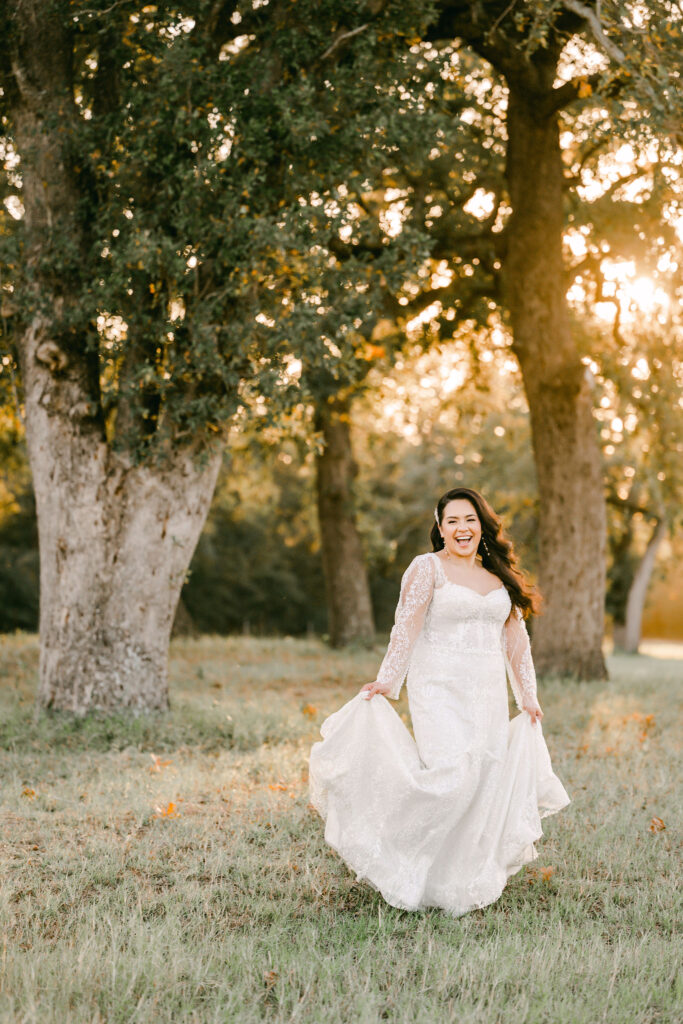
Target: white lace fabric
<point x="518" y="660"/>
<point x="417" y="587"/>
<point x="444" y="816"/>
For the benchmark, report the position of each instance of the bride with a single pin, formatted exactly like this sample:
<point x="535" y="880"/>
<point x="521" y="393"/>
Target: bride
<point x="444" y="819"/>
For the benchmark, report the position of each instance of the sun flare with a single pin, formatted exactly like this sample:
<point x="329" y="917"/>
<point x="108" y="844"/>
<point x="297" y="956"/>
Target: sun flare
<point x="633" y="295"/>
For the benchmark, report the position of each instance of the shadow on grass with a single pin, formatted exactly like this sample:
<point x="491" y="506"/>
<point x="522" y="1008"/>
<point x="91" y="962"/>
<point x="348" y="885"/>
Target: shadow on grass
<point x="245" y="727"/>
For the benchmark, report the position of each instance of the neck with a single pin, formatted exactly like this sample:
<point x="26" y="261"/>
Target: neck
<point x="464" y="561"/>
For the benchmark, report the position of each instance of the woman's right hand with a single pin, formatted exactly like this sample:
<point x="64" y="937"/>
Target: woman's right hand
<point x="372" y="688"/>
<point x="533" y="709"/>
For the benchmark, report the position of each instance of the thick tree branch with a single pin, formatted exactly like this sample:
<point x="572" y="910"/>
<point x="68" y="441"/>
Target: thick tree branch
<point x="593" y="147"/>
<point x="633" y="507"/>
<point x="565" y="94"/>
<point x="608" y="46"/>
<point x="341" y="38"/>
<point x="495" y="38"/>
<point x="591" y="17"/>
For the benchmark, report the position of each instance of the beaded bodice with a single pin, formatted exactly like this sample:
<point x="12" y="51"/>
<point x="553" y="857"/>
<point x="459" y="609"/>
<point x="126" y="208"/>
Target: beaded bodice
<point x="463" y="620"/>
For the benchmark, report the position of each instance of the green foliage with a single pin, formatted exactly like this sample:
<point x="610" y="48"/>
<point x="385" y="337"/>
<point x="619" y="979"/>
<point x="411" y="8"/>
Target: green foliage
<point x="208" y="148"/>
<point x="19" y="567"/>
<point x="257" y="567"/>
<point x="258" y="560"/>
<point x="19" y="584"/>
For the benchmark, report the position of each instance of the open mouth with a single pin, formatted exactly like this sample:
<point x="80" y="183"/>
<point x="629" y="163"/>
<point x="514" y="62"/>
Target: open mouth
<point x="464" y="540"/>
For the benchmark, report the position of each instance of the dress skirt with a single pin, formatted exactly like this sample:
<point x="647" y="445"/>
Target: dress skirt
<point x="445" y="821"/>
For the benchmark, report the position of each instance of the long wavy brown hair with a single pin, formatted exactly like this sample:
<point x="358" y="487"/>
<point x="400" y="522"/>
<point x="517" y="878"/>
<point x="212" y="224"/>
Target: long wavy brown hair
<point x="496" y="551"/>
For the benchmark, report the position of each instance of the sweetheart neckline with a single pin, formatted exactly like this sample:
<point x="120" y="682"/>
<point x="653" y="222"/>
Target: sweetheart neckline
<point x="463" y="586"/>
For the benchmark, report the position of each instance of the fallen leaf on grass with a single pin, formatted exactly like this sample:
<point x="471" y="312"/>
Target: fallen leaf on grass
<point x="310" y="710"/>
<point x="167" y="812"/>
<point x="656" y="825"/>
<point x="270" y="977"/>
<point x="157" y="764"/>
<point x="28" y="793"/>
<point x="277" y="785"/>
<point x="539" y="874"/>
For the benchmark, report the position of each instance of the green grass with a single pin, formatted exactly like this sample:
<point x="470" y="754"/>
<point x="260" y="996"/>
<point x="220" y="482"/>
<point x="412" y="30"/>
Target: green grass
<point x="231" y="907"/>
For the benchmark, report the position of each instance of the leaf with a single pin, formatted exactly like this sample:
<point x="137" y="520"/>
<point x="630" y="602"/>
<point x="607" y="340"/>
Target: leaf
<point x="656" y="825"/>
<point x="585" y="89"/>
<point x="170" y="811"/>
<point x="547" y="873"/>
<point x="157" y="764"/>
<point x="30" y="794"/>
<point x="277" y="785"/>
<point x="310" y="710"/>
<point x="371" y="352"/>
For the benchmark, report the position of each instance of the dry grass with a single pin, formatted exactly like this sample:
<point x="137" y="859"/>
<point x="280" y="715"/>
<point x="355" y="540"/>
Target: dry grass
<point x="172" y="870"/>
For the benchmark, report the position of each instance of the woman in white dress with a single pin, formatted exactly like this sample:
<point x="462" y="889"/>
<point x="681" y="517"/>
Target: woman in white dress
<point x="444" y="819"/>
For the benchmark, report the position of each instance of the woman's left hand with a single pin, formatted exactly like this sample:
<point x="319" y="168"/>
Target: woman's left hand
<point x="370" y="689"/>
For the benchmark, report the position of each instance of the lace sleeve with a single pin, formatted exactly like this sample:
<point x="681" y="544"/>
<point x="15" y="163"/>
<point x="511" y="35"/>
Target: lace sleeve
<point x="520" y="666"/>
<point x="417" y="587"/>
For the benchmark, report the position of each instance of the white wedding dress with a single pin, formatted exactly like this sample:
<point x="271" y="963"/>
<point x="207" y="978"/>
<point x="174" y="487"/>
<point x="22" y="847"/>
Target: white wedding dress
<point x="442" y="820"/>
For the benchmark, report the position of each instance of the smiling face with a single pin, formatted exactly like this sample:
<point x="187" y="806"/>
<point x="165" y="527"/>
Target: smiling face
<point x="461" y="528"/>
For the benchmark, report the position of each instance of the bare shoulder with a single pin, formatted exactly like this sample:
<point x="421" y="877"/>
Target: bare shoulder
<point x="486" y="574"/>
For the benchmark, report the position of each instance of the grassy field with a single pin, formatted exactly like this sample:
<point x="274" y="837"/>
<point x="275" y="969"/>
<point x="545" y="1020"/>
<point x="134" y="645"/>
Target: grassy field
<point x="173" y="870"/>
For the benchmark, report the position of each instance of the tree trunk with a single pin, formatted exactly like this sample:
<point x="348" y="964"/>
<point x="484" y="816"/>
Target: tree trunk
<point x="572" y="527"/>
<point x="627" y="634"/>
<point x="346" y="582"/>
<point x="116" y="541"/>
